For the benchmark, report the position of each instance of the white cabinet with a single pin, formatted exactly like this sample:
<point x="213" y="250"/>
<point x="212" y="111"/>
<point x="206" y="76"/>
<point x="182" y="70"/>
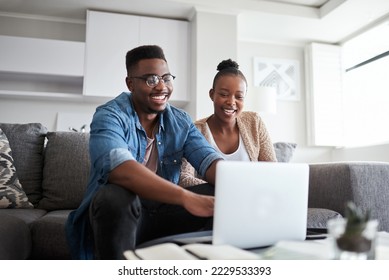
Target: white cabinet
<point x="110" y="36"/>
<point x="40" y="67"/>
<point x="172" y="37"/>
<point x="41" y="56"/>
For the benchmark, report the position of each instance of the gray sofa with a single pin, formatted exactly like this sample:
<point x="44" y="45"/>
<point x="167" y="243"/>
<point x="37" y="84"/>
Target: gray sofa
<point x="53" y="168"/>
<point x="364" y="183"/>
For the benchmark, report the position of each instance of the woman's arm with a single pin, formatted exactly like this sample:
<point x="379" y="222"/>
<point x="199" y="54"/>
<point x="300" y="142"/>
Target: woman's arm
<point x="266" y="151"/>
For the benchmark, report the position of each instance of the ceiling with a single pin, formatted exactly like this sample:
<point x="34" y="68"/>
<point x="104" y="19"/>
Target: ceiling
<point x="309" y="3"/>
<point x="286" y="21"/>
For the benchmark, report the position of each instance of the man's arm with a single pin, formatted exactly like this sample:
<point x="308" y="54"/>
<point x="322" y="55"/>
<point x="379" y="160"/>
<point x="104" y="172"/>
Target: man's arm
<point x="201" y="155"/>
<point x="210" y="174"/>
<point x="140" y="180"/>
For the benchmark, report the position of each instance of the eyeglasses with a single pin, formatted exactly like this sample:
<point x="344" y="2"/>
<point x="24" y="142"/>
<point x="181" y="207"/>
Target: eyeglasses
<point x="153" y="80"/>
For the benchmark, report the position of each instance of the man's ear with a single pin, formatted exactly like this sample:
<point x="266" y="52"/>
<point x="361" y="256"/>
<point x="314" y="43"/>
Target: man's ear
<point x="129" y="83"/>
<point x="211" y="93"/>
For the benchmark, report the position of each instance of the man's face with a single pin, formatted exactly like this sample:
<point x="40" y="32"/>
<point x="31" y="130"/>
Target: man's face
<point x="149" y="100"/>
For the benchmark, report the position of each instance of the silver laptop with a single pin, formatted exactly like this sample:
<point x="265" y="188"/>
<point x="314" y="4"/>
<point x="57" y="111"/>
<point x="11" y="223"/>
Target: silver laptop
<point x="260" y="203"/>
<point x="256" y="205"/>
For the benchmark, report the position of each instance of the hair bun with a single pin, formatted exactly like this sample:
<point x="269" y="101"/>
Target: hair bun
<point x="228" y="63"/>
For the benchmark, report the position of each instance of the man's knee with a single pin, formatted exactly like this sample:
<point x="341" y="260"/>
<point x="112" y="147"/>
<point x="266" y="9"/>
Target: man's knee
<point x="113" y="200"/>
<point x="114" y="216"/>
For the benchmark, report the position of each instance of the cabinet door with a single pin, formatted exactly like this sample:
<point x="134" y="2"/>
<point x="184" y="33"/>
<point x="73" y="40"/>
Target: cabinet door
<point x="173" y="37"/>
<point x="108" y="38"/>
<point x="41" y="56"/>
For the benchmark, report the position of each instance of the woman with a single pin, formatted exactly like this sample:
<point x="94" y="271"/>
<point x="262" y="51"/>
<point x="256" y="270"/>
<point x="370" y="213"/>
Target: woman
<point x="237" y="135"/>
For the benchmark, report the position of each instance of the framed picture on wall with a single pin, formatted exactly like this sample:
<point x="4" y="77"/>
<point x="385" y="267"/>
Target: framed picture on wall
<point x="283" y="74"/>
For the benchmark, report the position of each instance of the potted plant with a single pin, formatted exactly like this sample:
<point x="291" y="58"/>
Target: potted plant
<point x="354" y="235"/>
<point x="352" y="239"/>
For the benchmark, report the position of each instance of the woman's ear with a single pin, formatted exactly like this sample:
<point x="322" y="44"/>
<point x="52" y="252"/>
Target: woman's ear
<point x="211" y="93"/>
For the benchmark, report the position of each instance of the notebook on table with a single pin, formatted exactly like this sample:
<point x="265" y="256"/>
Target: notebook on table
<point x="257" y="204"/>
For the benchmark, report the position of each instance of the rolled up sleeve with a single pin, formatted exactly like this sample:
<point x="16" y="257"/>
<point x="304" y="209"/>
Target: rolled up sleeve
<point x="108" y="144"/>
<point x="198" y="152"/>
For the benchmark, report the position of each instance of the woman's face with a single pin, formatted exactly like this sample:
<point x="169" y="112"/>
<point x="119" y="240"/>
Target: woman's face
<point x="228" y="97"/>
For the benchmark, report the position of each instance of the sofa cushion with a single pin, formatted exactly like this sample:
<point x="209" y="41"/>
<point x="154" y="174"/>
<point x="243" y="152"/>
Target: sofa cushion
<point x="65" y="171"/>
<point x="12" y="194"/>
<point x="318" y="218"/>
<point x="26" y="215"/>
<point x="15" y="238"/>
<point x="27" y="143"/>
<point x="48" y="236"/>
<point x="284" y="151"/>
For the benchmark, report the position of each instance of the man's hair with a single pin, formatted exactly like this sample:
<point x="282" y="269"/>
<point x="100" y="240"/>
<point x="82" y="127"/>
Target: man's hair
<point x="143" y="52"/>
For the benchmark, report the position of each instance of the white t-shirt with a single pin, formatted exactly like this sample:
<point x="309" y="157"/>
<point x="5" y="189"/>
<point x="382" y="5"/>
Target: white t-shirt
<point x="239" y="155"/>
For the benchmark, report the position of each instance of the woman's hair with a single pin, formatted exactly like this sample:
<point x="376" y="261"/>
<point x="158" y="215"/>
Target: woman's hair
<point x="228" y="67"/>
<point x="143" y="52"/>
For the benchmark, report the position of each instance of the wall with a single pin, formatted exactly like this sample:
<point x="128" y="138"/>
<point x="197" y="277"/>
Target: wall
<point x="289" y="124"/>
<point x="45" y="112"/>
<point x="371" y="153"/>
<point x="213" y="40"/>
<point x="214" y="37"/>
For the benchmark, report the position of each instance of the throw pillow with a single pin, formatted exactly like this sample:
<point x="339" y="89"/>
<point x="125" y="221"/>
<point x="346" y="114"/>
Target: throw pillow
<point x="65" y="171"/>
<point x="284" y="151"/>
<point x="318" y="218"/>
<point x="12" y="194"/>
<point x="27" y="144"/>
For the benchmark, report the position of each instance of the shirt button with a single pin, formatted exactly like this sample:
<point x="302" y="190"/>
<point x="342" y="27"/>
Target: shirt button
<point x="175" y="161"/>
<point x="159" y="143"/>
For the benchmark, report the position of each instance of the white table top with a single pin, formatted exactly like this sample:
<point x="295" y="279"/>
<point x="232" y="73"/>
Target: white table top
<point x="316" y="249"/>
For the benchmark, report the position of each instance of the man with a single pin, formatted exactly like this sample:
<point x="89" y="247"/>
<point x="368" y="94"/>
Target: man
<point x="137" y="141"/>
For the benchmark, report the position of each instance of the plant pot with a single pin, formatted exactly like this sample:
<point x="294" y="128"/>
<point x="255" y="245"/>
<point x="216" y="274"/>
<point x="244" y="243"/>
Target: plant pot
<point x="357" y="242"/>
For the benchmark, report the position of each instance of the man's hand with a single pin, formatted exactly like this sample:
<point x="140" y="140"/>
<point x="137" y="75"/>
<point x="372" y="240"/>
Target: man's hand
<point x="198" y="205"/>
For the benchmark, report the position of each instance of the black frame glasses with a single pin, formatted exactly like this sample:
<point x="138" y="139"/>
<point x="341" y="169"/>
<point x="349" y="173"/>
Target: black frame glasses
<point x="153" y="80"/>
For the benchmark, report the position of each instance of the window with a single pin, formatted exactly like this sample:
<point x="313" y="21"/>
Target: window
<point x="348" y="90"/>
<point x="324" y="95"/>
<point x="366" y="87"/>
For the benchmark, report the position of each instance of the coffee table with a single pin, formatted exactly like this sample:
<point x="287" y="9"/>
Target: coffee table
<point x="316" y="249"/>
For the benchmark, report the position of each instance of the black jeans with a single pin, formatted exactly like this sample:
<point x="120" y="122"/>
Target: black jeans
<point x="120" y="220"/>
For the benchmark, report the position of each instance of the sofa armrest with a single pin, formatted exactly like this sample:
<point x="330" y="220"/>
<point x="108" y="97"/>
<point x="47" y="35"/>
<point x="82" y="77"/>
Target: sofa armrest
<point x="331" y="185"/>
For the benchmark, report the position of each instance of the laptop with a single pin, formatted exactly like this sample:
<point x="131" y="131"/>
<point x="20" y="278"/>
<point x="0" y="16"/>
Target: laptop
<point x="258" y="204"/>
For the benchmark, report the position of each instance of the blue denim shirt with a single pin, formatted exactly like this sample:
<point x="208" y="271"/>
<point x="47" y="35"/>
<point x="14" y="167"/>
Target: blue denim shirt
<point x="116" y="136"/>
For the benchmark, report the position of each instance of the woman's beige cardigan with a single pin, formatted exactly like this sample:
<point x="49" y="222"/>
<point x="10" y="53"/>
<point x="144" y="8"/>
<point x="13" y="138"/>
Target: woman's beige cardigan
<point x="255" y="139"/>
